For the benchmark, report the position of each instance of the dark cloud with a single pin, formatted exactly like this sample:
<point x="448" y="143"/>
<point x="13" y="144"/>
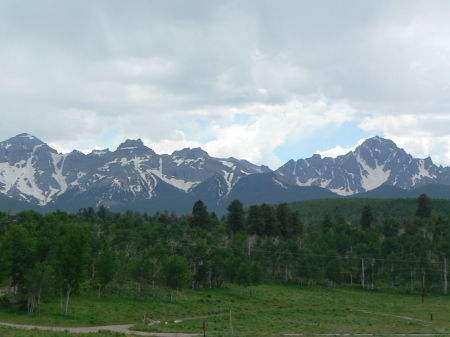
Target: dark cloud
<point x="70" y="70"/>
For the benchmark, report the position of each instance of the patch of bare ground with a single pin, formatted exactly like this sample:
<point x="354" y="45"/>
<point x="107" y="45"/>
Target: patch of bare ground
<point x="125" y="328"/>
<point x="404" y="317"/>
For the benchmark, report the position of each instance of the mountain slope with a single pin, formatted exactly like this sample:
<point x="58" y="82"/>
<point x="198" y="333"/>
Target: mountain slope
<point x="268" y="188"/>
<point x="374" y="163"/>
<point x="136" y="177"/>
<point x="133" y="174"/>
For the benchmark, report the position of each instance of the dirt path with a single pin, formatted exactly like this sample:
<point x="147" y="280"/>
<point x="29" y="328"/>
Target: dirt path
<point x="125" y="328"/>
<point x="116" y="328"/>
<point x="404" y="317"/>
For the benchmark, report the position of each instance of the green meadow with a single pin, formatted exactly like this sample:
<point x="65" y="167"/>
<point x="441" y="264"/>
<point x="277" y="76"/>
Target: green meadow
<point x="273" y="310"/>
<point x="14" y="332"/>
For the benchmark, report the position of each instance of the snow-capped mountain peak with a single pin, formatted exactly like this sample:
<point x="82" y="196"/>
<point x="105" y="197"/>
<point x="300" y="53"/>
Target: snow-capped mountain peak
<point x="134" y="174"/>
<point x="377" y="161"/>
<point x="32" y="171"/>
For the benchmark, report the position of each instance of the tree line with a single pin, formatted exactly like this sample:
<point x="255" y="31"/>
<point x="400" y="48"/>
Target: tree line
<point x="152" y="257"/>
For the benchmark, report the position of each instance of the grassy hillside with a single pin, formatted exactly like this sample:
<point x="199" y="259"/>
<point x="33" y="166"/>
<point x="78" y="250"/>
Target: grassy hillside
<point x="273" y="309"/>
<point x="311" y="211"/>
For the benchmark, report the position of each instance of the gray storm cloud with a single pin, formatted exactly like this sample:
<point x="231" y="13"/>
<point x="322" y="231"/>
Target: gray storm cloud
<point x="74" y="70"/>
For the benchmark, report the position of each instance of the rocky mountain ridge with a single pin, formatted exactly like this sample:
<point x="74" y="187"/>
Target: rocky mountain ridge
<point x="135" y="177"/>
<point x="32" y="171"/>
<point x="377" y="161"/>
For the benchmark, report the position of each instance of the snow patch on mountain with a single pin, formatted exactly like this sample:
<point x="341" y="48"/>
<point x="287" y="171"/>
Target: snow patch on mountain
<point x="178" y="183"/>
<point x="227" y="163"/>
<point x="344" y="191"/>
<point x="423" y="173"/>
<point x="309" y="182"/>
<point x="58" y="163"/>
<point x="229" y="180"/>
<point x="372" y="177"/>
<point x="276" y="181"/>
<point x="32" y="171"/>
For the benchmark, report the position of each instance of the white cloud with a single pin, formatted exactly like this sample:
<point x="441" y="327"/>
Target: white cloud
<point x="271" y="126"/>
<point x="59" y="148"/>
<point x="438" y="148"/>
<point x="420" y="135"/>
<point x="339" y="151"/>
<point x="182" y="74"/>
<point x="167" y="146"/>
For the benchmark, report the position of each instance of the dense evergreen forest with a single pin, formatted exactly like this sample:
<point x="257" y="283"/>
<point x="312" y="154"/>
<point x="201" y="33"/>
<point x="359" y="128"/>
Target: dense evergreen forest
<point x="152" y="257"/>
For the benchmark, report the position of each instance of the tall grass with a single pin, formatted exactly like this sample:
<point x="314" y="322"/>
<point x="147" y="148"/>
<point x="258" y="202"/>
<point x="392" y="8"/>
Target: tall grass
<point x="273" y="309"/>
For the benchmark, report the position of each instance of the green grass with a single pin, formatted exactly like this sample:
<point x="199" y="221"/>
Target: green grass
<point x="274" y="309"/>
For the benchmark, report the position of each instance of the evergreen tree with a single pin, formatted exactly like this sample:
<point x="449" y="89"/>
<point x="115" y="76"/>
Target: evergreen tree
<point x="295" y="224"/>
<point x="283" y="213"/>
<point x="367" y="218"/>
<point x="236" y="216"/>
<point x="255" y="221"/>
<point x="200" y="216"/>
<point x="103" y="213"/>
<point x="424" y="206"/>
<point x="89" y="212"/>
<point x="327" y="223"/>
<point x="270" y="220"/>
<point x="390" y="228"/>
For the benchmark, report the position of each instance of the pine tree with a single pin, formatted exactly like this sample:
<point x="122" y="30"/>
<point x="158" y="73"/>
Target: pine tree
<point x="270" y="220"/>
<point x="200" y="216"/>
<point x="326" y="223"/>
<point x="367" y="219"/>
<point x="236" y="216"/>
<point x="424" y="206"/>
<point x="282" y="213"/>
<point x="255" y="221"/>
<point x="295" y="224"/>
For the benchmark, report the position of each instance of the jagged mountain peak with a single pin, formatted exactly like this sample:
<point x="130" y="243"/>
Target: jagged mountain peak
<point x="22" y="140"/>
<point x="100" y="153"/>
<point x="25" y="135"/>
<point x="21" y="147"/>
<point x="377" y="161"/>
<point x="75" y="154"/>
<point x="31" y="171"/>
<point x="377" y="142"/>
<point x="191" y="153"/>
<point x="134" y="145"/>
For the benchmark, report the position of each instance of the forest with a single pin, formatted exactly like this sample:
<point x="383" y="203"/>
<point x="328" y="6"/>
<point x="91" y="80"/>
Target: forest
<point x="152" y="257"/>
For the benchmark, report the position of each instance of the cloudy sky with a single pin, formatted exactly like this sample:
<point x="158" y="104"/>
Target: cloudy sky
<point x="266" y="81"/>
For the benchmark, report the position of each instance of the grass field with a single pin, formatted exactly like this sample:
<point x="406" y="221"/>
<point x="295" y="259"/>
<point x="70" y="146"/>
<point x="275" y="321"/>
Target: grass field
<point x="12" y="332"/>
<point x="274" y="309"/>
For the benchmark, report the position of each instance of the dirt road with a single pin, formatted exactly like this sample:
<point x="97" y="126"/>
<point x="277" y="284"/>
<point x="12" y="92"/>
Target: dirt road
<point x="116" y="328"/>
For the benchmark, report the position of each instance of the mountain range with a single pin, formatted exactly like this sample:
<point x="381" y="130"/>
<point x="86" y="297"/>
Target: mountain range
<point x="34" y="175"/>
